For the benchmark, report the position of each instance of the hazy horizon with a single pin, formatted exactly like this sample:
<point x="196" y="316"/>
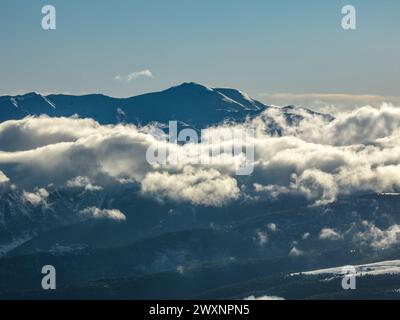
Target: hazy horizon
<point x="277" y="52"/>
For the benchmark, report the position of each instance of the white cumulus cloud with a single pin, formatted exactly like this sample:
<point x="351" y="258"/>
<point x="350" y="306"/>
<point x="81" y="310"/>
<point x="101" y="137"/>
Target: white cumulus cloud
<point x="379" y="238"/>
<point x="97" y="213"/>
<point x="36" y="198"/>
<point x="329" y="234"/>
<point x="201" y="187"/>
<point x="84" y="183"/>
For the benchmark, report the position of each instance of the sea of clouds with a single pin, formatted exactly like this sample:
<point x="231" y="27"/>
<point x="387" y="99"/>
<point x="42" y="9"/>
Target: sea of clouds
<point x="357" y="152"/>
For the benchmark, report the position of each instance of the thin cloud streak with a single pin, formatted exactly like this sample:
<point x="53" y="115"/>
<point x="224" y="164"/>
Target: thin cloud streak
<point x="134" y="75"/>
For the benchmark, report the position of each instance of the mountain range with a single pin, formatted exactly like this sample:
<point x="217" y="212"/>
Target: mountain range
<point x="189" y="103"/>
<point x="177" y="250"/>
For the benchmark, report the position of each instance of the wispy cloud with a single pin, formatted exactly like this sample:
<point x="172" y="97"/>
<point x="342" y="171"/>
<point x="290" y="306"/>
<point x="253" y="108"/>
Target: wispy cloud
<point x="97" y="213"/>
<point x="134" y="75"/>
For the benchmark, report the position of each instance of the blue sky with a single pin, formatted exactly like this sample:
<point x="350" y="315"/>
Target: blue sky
<point x="259" y="46"/>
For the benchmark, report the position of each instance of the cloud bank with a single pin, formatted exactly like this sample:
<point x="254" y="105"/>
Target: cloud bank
<point x="321" y="160"/>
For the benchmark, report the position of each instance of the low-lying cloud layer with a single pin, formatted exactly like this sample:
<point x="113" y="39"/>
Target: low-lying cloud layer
<point x="316" y="158"/>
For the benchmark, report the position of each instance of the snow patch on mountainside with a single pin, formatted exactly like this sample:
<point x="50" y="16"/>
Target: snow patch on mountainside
<point x="14" y="102"/>
<point x="49" y="102"/>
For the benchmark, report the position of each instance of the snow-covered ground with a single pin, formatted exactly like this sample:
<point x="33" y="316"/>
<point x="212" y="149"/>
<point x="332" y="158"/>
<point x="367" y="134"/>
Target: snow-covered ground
<point x="378" y="268"/>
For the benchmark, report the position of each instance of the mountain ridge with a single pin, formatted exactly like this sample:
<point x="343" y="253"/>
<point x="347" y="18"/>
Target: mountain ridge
<point x="190" y="103"/>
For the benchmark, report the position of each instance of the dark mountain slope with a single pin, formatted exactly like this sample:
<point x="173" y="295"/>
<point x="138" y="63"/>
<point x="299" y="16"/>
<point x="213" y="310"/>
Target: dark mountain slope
<point x="190" y="103"/>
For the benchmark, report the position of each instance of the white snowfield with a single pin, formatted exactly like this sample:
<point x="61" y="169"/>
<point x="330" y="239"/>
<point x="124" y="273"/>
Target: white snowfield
<point x="378" y="268"/>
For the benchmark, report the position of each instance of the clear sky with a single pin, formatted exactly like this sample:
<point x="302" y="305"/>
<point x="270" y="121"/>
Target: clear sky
<point x="259" y="46"/>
